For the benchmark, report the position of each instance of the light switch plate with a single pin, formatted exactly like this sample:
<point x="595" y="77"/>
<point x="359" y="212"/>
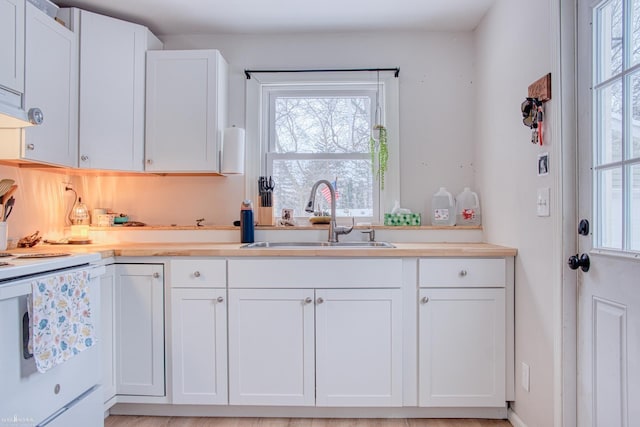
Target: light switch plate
<point x="542" y="201"/>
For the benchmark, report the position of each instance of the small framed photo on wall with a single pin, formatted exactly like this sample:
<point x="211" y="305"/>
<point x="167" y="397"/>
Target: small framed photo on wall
<point x="543" y="164"/>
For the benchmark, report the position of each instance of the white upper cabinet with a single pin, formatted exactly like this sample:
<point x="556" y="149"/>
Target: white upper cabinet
<point x="186" y="110"/>
<point x="12" y="44"/>
<point x="51" y="84"/>
<point x="112" y="88"/>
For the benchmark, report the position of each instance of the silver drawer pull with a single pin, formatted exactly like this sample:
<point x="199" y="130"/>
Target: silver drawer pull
<point x="31" y="147"/>
<point x="220" y="299"/>
<point x="156" y="275"/>
<point x="319" y="300"/>
<point x="424" y="300"/>
<point x="463" y="273"/>
<point x="308" y="300"/>
<point x="196" y="274"/>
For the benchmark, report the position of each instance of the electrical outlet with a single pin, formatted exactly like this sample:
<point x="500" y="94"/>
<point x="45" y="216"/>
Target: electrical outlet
<point x="525" y="376"/>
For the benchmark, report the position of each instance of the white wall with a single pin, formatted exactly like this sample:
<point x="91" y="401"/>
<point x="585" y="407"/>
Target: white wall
<point x="436" y="92"/>
<point x="513" y="49"/>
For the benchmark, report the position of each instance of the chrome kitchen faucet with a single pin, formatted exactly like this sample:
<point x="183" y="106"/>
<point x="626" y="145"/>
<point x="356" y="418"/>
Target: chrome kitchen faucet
<point x="334" y="229"/>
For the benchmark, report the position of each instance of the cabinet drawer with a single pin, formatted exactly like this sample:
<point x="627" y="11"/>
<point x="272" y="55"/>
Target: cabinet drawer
<point x="462" y="272"/>
<point x="315" y="273"/>
<point x="198" y="273"/>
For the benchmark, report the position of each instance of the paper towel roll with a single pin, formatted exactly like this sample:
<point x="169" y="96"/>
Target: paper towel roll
<point x="233" y="151"/>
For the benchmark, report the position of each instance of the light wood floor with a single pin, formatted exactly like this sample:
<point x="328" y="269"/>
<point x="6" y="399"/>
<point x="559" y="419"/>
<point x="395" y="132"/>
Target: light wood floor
<point x="136" y="421"/>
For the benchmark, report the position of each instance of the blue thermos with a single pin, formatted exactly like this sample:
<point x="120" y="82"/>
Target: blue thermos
<point x="246" y="222"/>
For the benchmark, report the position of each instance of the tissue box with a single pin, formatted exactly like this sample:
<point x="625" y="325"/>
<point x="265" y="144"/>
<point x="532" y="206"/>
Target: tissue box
<point x="402" y="219"/>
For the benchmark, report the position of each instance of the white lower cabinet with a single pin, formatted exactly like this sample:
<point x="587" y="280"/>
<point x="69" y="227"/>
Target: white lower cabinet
<point x="461" y="347"/>
<point x="358" y="347"/>
<point x="199" y="346"/>
<point x="139" y="313"/>
<point x="107" y="336"/>
<point x="271" y="347"/>
<point x="323" y="347"/>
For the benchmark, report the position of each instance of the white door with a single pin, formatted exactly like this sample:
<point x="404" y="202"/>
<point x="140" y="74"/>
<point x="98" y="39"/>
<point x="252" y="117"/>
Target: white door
<point x="12" y="44"/>
<point x="140" y="330"/>
<point x="199" y="346"/>
<point x="359" y="347"/>
<point x="461" y="347"/>
<point x="112" y="68"/>
<point x="186" y="106"/>
<point x="51" y="84"/>
<point x="609" y="198"/>
<point x="271" y="349"/>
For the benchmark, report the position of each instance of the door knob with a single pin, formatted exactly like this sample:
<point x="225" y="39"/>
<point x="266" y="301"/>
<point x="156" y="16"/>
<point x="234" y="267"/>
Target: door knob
<point x="579" y="261"/>
<point x="319" y="300"/>
<point x="220" y="299"/>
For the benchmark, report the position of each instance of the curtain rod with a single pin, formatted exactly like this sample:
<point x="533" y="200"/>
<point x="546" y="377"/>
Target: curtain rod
<point x="396" y="71"/>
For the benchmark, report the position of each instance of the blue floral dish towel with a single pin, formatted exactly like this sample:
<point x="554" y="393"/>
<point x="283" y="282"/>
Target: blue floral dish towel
<point x="60" y="314"/>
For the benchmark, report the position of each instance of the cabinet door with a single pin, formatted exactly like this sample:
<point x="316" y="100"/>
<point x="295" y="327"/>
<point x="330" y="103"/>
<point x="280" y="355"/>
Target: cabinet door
<point x="51" y="84"/>
<point x="462" y="347"/>
<point x="12" y="44"/>
<point x="199" y="346"/>
<point x="112" y="64"/>
<point x="271" y="349"/>
<point x="107" y="336"/>
<point x="359" y="347"/>
<point x="140" y="330"/>
<point x="186" y="110"/>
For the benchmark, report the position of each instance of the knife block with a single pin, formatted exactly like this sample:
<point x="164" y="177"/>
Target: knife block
<point x="265" y="216"/>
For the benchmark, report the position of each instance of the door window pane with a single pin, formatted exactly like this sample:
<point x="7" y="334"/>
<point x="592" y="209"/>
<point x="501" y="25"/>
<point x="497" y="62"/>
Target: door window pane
<point x="634" y="208"/>
<point x="609" y="188"/>
<point x="609" y="40"/>
<point x="609" y="125"/>
<point x="634" y="123"/>
<point x="635" y="32"/>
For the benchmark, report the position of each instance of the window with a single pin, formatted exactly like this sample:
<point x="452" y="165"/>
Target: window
<point x="314" y="132"/>
<point x="616" y="100"/>
<point x="302" y="127"/>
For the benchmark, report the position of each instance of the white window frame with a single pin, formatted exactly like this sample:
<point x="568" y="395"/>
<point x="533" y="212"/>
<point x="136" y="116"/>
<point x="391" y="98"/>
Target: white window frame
<point x="627" y="161"/>
<point x="257" y="96"/>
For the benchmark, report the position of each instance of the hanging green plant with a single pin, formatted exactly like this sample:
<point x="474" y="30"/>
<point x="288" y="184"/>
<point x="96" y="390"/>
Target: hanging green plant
<point x="380" y="152"/>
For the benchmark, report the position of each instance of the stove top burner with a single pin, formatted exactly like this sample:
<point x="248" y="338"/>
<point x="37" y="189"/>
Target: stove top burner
<point x="43" y="255"/>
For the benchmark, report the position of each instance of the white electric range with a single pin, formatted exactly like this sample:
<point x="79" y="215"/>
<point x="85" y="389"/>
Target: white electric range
<point x="14" y="265"/>
<point x="67" y="395"/>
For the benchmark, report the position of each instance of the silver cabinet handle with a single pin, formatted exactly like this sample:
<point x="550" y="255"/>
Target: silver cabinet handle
<point x="319" y="300"/>
<point x="196" y="274"/>
<point x="220" y="299"/>
<point x="463" y="273"/>
<point x="31" y="147"/>
<point x="156" y="275"/>
<point x="308" y="300"/>
<point x="84" y="158"/>
<point x="424" y="300"/>
<point x="149" y="161"/>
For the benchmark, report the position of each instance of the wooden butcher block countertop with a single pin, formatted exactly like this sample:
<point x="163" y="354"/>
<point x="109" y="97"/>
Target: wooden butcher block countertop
<point x="235" y="250"/>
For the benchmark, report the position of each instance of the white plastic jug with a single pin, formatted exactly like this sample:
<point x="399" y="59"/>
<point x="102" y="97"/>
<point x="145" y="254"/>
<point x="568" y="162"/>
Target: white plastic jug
<point x="443" y="208"/>
<point x="468" y="208"/>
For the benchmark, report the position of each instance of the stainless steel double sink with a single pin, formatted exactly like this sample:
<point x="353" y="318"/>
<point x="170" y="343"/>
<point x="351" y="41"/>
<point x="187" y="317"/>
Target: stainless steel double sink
<point x="316" y="245"/>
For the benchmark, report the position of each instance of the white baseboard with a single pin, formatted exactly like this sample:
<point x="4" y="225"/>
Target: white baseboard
<point x="514" y="419"/>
